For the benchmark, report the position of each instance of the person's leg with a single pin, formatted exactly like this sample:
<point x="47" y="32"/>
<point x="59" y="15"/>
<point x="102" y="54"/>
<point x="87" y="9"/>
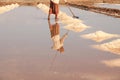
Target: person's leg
<point x="49" y="15"/>
<point x="50" y="10"/>
<point x="56" y="16"/>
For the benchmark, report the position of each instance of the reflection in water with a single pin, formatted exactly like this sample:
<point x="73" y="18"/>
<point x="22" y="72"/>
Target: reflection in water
<point x="55" y="36"/>
<point x="113" y="47"/>
<point x="6" y="8"/>
<point x="72" y="24"/>
<point x="112" y="63"/>
<point x="58" y="41"/>
<point x="99" y="36"/>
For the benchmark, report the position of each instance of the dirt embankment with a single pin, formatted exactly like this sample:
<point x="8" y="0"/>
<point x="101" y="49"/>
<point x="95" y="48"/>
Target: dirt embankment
<point x="82" y="4"/>
<point x="106" y="11"/>
<point x="34" y="2"/>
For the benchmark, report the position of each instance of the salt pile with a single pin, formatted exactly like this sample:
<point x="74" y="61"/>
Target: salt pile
<point x="99" y="36"/>
<point x="113" y="47"/>
<point x="7" y="8"/>
<point x="76" y="27"/>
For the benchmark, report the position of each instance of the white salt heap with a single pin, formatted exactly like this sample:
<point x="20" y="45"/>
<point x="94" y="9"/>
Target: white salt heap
<point x="7" y="8"/>
<point x="72" y="24"/>
<point x="113" y="47"/>
<point x="99" y="36"/>
<point x="76" y="27"/>
<point x="112" y="63"/>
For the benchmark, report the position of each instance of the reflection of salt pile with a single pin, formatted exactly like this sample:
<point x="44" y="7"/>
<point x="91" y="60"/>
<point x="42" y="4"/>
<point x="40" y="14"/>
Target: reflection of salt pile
<point x="71" y="23"/>
<point x="113" y="47"/>
<point x="6" y="8"/>
<point x="112" y="63"/>
<point x="99" y="36"/>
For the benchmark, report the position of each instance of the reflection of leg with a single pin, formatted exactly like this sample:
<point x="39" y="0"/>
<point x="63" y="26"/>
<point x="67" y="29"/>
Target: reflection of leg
<point x="49" y="16"/>
<point x="50" y="11"/>
<point x="56" y="11"/>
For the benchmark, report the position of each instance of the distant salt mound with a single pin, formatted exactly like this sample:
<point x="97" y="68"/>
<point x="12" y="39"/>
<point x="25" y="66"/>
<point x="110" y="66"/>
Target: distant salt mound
<point x="99" y="36"/>
<point x="112" y="63"/>
<point x="43" y="7"/>
<point x="7" y="8"/>
<point x="71" y="23"/>
<point x="113" y="47"/>
<point x="76" y="27"/>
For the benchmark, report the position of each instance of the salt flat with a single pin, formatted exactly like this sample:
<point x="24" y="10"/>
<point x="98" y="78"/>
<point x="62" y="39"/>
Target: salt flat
<point x="26" y="51"/>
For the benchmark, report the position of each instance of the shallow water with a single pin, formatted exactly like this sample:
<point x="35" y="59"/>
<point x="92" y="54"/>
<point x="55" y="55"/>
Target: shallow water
<point x="26" y="47"/>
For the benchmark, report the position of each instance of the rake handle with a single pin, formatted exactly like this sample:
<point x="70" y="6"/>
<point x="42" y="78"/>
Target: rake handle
<point x="71" y="11"/>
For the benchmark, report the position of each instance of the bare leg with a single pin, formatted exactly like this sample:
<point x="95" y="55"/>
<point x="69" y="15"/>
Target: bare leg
<point x="50" y="10"/>
<point x="56" y="16"/>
